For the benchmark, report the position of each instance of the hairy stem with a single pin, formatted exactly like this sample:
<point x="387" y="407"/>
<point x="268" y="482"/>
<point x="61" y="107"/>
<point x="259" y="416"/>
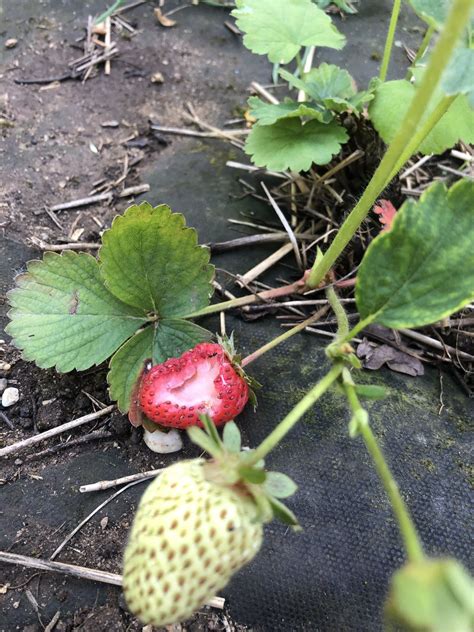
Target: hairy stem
<point x="387" y="53"/>
<point x="407" y="528"/>
<point x="295" y="415"/>
<point x="440" y="58"/>
<point x="291" y="332"/>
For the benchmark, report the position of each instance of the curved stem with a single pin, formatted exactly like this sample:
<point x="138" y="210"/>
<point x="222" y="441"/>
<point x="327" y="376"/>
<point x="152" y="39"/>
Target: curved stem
<point x="424" y="44"/>
<point x="407" y="528"/>
<point x="295" y="415"/>
<point x="389" y="41"/>
<point x="291" y="332"/>
<point x="440" y="58"/>
<point x="339" y="312"/>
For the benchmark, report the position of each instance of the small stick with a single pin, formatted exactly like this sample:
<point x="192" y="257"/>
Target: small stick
<point x="93" y="199"/>
<point x="108" y="28"/>
<point x="101" y="485"/>
<point x="60" y="247"/>
<point x="436" y="344"/>
<point x="51" y="625"/>
<point x="414" y="167"/>
<point x="240" y="165"/>
<point x="286" y="226"/>
<point x="259" y="89"/>
<point x="307" y="67"/>
<point x="79" y="571"/>
<point x="135" y="190"/>
<point x="264" y="265"/>
<point x="92" y="436"/>
<point x="75" y="423"/>
<point x="250" y="240"/>
<point x="183" y="131"/>
<point x="69" y="537"/>
<point x="6" y="420"/>
<point x="462" y="155"/>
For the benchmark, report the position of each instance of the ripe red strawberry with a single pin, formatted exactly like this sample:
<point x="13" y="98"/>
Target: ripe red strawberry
<point x="201" y="381"/>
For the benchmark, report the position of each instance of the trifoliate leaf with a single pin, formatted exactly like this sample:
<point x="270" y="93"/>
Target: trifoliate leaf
<point x="231" y="437"/>
<point x="62" y="314"/>
<point x="391" y="103"/>
<point x="279" y="28"/>
<point x="150" y="259"/>
<point x="158" y="342"/>
<point x="269" y="113"/>
<point x="289" y="144"/>
<point x="406" y="276"/>
<point x="280" y="485"/>
<point x="331" y="87"/>
<point x="459" y="75"/>
<point x="434" y="595"/>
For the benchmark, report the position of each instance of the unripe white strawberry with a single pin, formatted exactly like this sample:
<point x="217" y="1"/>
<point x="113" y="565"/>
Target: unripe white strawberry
<point x="189" y="536"/>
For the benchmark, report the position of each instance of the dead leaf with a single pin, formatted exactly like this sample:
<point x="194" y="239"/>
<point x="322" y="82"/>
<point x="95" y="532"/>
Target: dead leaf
<point x="387" y="212"/>
<point x="104" y="522"/>
<point x="163" y="20"/>
<point x="373" y="358"/>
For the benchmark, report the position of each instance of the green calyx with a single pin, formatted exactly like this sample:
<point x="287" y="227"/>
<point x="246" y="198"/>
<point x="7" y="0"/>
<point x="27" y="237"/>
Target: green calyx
<point x="227" y="343"/>
<point x="232" y="467"/>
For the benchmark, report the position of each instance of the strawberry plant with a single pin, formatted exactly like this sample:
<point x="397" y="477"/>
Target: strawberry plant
<point x="200" y="521"/>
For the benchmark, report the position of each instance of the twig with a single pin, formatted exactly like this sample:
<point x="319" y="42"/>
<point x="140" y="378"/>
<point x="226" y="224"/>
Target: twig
<point x="101" y="485"/>
<point x="414" y="167"/>
<point x="92" y="436"/>
<point x="79" y="571"/>
<point x="286" y="226"/>
<point x="107" y="39"/>
<point x="250" y="240"/>
<point x="93" y="199"/>
<point x="6" y="420"/>
<point x="436" y="344"/>
<point x="26" y="443"/>
<point x="68" y="246"/>
<point x="51" y="625"/>
<point x="135" y="190"/>
<point x="69" y="537"/>
<point x="259" y="89"/>
<point x="264" y="265"/>
<point x="250" y="168"/>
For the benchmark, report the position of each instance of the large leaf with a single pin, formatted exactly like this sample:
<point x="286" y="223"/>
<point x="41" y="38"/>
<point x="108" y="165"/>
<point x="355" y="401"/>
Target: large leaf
<point x="422" y="270"/>
<point x="433" y="12"/>
<point x="62" y="315"/>
<point x="330" y="86"/>
<point x="459" y="75"/>
<point x="288" y="144"/>
<point x="151" y="260"/>
<point x="279" y="28"/>
<point x="391" y="103"/>
<point x="158" y="342"/>
<point x="269" y="113"/>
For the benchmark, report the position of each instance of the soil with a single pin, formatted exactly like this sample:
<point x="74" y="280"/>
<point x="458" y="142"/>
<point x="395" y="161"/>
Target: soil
<point x="53" y="150"/>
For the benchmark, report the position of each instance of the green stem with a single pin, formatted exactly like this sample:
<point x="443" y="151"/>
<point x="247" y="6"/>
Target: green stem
<point x="407" y="528"/>
<point x="389" y="41"/>
<point x="420" y="136"/>
<point x="299" y="63"/>
<point x="109" y="12"/>
<point x="424" y="44"/>
<point x="362" y="324"/>
<point x="291" y="332"/>
<point x="440" y="58"/>
<point x="339" y="312"/>
<point x="295" y="415"/>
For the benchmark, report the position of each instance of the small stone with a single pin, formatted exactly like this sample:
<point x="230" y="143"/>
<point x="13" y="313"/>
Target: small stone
<point x="157" y="77"/>
<point x="163" y="442"/>
<point x="10" y="396"/>
<point x="18" y="462"/>
<point x="3" y="384"/>
<point x="110" y="124"/>
<point x="104" y="522"/>
<point x="11" y="43"/>
<point x="5" y="367"/>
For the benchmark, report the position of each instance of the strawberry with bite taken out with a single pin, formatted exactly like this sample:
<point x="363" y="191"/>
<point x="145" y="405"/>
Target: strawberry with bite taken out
<point x="203" y="381"/>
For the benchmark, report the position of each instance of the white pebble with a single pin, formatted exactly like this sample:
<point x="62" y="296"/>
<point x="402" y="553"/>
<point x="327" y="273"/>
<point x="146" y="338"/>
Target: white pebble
<point x="4" y="366"/>
<point x="163" y="442"/>
<point x="10" y="396"/>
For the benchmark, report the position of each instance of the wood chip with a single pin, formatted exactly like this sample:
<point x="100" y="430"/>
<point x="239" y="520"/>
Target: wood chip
<point x="163" y="20"/>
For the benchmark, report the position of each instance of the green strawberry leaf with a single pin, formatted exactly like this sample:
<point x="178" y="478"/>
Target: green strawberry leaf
<point x="279" y="28"/>
<point x="406" y="276"/>
<point x="391" y="103"/>
<point x="253" y="474"/>
<point x="459" y="75"/>
<point x="231" y="437"/>
<point x="151" y="260"/>
<point x="433" y="12"/>
<point x="331" y="87"/>
<point x="62" y="314"/>
<point x="282" y="513"/>
<point x="280" y="485"/>
<point x="371" y="391"/>
<point x="158" y="342"/>
<point x="288" y="144"/>
<point x="433" y="594"/>
<point x="269" y="113"/>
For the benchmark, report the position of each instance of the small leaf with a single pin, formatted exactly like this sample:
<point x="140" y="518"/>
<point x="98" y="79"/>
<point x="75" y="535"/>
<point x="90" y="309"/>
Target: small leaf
<point x="331" y="87"/>
<point x="406" y="276"/>
<point x="210" y="429"/>
<point x="269" y="113"/>
<point x="288" y="144"/>
<point x="279" y="28"/>
<point x="204" y="441"/>
<point x="280" y="485"/>
<point x="285" y="515"/>
<point x="371" y="391"/>
<point x="150" y="259"/>
<point x="160" y="341"/>
<point x="434" y="595"/>
<point x="62" y="314"/>
<point x="391" y="103"/>
<point x="386" y="211"/>
<point x="253" y="474"/>
<point x="459" y="75"/>
<point x="231" y="437"/>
